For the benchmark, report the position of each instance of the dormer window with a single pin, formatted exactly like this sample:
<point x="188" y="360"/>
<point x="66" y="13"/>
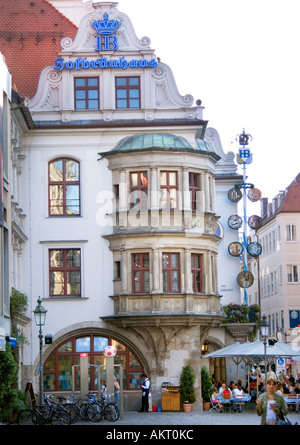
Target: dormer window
<point x="86" y="93"/>
<point x="128" y="93"/>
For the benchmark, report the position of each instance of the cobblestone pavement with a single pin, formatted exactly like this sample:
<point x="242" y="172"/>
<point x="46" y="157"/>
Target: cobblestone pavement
<point x="193" y="418"/>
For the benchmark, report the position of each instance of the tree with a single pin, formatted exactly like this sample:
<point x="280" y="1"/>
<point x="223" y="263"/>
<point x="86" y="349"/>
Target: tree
<point x="11" y="399"/>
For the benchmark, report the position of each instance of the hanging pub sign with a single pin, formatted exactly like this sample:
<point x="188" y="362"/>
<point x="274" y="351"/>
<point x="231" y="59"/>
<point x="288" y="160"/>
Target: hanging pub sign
<point x="254" y="194"/>
<point x="294" y="319"/>
<point x="245" y="279"/>
<point x="235" y="249"/>
<point x="235" y="195"/>
<point x="254" y="249"/>
<point x="255" y="222"/>
<point x="235" y="222"/>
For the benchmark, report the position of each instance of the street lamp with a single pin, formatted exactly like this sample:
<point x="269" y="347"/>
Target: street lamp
<point x="204" y="347"/>
<point x="264" y="332"/>
<point x="40" y="319"/>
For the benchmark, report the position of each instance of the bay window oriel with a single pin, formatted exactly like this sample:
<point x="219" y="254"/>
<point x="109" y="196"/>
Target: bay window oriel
<point x="171" y="272"/>
<point x="140" y="273"/>
<point x="197" y="278"/>
<point x="169" y="190"/>
<point x="138" y="189"/>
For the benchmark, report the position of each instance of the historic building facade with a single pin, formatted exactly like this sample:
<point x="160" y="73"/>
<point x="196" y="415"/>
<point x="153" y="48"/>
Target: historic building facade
<point x="126" y="201"/>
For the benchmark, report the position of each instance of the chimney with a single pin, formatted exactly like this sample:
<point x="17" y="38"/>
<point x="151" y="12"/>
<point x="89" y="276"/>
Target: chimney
<point x="263" y="207"/>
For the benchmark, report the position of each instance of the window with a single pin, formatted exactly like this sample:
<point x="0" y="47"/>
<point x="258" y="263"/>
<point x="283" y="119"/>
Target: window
<point x="127" y="92"/>
<point x="86" y="93"/>
<point x="168" y="187"/>
<point x="291" y="232"/>
<point x="292" y="274"/>
<point x="64" y="186"/>
<point x="171" y="271"/>
<point x="194" y="187"/>
<point x="64" y="272"/>
<point x="140" y="272"/>
<point x="57" y="374"/>
<point x="197" y="280"/>
<point x="138" y="189"/>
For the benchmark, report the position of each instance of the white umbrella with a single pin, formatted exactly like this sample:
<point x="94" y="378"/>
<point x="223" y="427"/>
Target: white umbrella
<point x="254" y="352"/>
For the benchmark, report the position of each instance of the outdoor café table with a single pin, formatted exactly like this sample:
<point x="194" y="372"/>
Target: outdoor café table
<point x="292" y="400"/>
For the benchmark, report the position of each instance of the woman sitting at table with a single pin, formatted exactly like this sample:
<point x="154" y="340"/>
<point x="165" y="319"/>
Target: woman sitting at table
<point x="238" y="392"/>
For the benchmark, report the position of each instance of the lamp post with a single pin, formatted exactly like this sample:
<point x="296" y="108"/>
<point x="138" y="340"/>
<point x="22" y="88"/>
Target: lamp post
<point x="264" y="331"/>
<point x="40" y="319"/>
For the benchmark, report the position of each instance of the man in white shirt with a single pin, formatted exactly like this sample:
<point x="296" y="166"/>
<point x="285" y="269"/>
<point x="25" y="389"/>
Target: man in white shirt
<point x="145" y="393"/>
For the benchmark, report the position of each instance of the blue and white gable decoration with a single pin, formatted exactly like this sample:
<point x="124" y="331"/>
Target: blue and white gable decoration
<point x="105" y="26"/>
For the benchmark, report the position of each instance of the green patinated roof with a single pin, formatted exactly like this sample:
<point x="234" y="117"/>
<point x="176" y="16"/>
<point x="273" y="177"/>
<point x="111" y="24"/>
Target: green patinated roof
<point x="159" y="142"/>
<point x="152" y="140"/>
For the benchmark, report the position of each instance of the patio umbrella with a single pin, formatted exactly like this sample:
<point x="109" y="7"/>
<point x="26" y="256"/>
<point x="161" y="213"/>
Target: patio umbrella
<point x="227" y="352"/>
<point x="254" y="352"/>
<point x="256" y="349"/>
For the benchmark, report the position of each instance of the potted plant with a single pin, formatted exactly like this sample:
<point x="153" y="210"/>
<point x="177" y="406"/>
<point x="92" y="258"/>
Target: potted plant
<point x="186" y="385"/>
<point x="206" y="386"/>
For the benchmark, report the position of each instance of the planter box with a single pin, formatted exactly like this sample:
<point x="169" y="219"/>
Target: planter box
<point x="240" y="331"/>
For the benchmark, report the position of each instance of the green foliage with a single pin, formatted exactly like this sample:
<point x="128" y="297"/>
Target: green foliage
<point x="186" y="383"/>
<point x="11" y="399"/>
<point x="18" y="303"/>
<point x="236" y="313"/>
<point x="206" y="384"/>
<point x="18" y="307"/>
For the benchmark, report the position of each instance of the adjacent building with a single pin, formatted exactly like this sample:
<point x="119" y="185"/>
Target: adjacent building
<point x="279" y="262"/>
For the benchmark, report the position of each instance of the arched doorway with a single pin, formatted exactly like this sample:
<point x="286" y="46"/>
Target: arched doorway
<point x="58" y="365"/>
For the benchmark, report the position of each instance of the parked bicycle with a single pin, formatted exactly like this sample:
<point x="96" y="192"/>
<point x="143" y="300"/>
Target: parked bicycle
<point x="43" y="415"/>
<point x="71" y="409"/>
<point x="86" y="409"/>
<point x="110" y="411"/>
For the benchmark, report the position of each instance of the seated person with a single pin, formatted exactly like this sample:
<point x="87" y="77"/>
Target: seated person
<point x="238" y="392"/>
<point x="222" y="387"/>
<point x="215" y="399"/>
<point x="226" y="397"/>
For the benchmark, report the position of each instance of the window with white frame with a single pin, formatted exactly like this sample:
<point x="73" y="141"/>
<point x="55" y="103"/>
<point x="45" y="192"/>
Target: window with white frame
<point x="291" y="232"/>
<point x="292" y="273"/>
<point x="64" y="272"/>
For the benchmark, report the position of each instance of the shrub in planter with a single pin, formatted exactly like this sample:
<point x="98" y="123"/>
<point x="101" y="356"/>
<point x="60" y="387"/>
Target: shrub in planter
<point x="186" y="384"/>
<point x="206" y="385"/>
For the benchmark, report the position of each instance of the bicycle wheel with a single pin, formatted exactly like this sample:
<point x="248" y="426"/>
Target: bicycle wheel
<point x="94" y="412"/>
<point x="25" y="417"/>
<point x="83" y="408"/>
<point x="60" y="417"/>
<point x="41" y="415"/>
<point x="73" y="411"/>
<point x="111" y="412"/>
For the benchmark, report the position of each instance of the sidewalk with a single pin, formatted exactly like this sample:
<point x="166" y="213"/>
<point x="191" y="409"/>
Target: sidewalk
<point x="193" y="418"/>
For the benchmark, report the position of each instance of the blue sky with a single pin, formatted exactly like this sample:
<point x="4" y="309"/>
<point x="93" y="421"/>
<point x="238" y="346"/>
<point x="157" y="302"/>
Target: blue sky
<point x="241" y="58"/>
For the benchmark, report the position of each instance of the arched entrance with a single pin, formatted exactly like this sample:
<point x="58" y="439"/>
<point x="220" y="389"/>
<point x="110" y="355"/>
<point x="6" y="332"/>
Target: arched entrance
<point x="58" y="365"/>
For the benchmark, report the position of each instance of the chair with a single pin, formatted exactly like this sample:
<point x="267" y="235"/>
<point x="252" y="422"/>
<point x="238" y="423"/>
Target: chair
<point x="214" y="404"/>
<point x="240" y="404"/>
